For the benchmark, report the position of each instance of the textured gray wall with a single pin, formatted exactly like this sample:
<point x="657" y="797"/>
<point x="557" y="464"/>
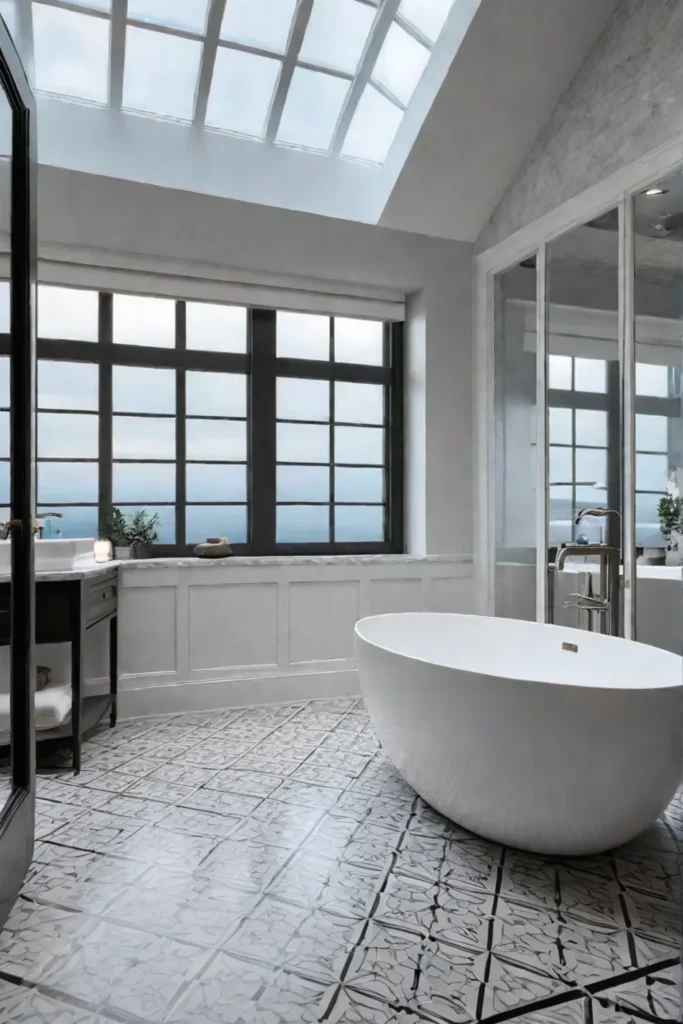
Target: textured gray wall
<point x="626" y="101"/>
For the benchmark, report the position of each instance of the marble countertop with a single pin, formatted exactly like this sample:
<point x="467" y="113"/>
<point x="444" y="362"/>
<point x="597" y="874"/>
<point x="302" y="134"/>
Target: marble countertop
<point x="288" y="560"/>
<point x="65" y="575"/>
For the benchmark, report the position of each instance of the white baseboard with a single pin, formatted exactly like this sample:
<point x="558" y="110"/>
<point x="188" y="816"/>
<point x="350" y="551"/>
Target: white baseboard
<point x="178" y="698"/>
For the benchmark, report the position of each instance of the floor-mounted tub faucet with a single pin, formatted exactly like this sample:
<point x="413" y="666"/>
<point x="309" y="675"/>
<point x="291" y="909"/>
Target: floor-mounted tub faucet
<point x="604" y="606"/>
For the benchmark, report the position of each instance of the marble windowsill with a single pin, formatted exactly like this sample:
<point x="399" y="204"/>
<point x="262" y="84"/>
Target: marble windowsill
<point x="239" y="561"/>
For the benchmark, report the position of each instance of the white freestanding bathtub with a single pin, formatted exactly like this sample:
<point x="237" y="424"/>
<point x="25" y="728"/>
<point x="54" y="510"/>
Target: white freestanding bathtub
<point x="505" y="732"/>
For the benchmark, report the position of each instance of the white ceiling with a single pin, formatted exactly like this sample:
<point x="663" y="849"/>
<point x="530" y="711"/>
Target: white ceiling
<point x="516" y="61"/>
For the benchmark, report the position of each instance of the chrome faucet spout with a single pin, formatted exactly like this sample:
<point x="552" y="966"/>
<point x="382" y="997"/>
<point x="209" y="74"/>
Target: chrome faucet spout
<point x="597" y="512"/>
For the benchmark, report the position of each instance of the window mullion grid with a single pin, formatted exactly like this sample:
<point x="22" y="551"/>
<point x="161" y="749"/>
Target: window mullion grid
<point x="209" y="50"/>
<point x="262" y="431"/>
<point x="180" y="427"/>
<point x="117" y="52"/>
<point x="105" y="407"/>
<point x="296" y="38"/>
<point x="332" y="481"/>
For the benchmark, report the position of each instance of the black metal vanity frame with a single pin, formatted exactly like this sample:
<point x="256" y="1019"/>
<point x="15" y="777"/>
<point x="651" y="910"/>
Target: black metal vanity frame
<point x="65" y="611"/>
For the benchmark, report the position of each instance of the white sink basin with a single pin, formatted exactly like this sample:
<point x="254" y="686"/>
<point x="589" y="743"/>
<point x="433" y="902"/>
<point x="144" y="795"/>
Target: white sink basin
<point x="55" y="554"/>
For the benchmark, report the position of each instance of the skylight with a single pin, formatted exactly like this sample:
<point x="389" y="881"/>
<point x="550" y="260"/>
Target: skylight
<point x="330" y="76"/>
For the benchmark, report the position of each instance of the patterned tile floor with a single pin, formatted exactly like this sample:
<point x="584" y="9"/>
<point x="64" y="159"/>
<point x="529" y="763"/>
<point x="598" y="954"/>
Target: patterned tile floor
<point x="269" y="866"/>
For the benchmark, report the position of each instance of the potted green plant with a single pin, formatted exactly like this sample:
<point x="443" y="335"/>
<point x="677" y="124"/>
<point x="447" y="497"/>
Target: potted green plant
<point x="115" y="530"/>
<point x="142" y="530"/>
<point x="670" y="512"/>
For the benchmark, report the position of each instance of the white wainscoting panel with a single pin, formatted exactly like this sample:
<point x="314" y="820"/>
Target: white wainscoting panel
<point x="388" y="596"/>
<point x="148" y="630"/>
<point x="321" y="620"/>
<point x="233" y="625"/>
<point x="448" y="595"/>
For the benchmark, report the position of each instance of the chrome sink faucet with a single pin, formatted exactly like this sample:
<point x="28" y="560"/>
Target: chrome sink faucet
<point x="38" y="526"/>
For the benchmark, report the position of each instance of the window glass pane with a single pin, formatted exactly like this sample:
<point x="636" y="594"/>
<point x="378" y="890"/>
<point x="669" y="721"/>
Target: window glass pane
<point x="428" y="16"/>
<point x="652" y="472"/>
<point x="204" y="521"/>
<point x="362" y="523"/>
<point x="560" y="372"/>
<point x="596" y="497"/>
<point x="216" y="394"/>
<point x="298" y="442"/>
<point x="299" y="399"/>
<point x="359" y="445"/>
<point x="4" y="307"/>
<point x="591" y="427"/>
<point x="67" y="481"/>
<point x="647" y="521"/>
<point x="652" y="380"/>
<point x="143" y="482"/>
<point x="67" y="313"/>
<point x="61" y="435"/>
<point x="359" y="485"/>
<point x="216" y="440"/>
<point x="337" y="33"/>
<point x="312" y="109"/>
<point x="4" y="435"/>
<point x="261" y="23"/>
<point x="590" y="375"/>
<point x="303" y="524"/>
<point x="242" y="89"/>
<point x="214" y="328"/>
<point x="400" y="63"/>
<point x="141" y="320"/>
<point x="4" y="484"/>
<point x="4" y="382"/>
<point x="591" y="466"/>
<point x="75" y="522"/>
<point x="67" y="385"/>
<point x="303" y="335"/>
<point x="373" y="127"/>
<point x="216" y="483"/>
<point x="143" y="437"/>
<point x="652" y="433"/>
<point x="160" y="73"/>
<point x="71" y="53"/>
<point x="94" y="5"/>
<point x="175" y="13"/>
<point x="358" y="403"/>
<point x="560" y="426"/>
<point x="561" y="514"/>
<point x="303" y="483"/>
<point x="560" y="466"/>
<point x="141" y="389"/>
<point x="358" y="341"/>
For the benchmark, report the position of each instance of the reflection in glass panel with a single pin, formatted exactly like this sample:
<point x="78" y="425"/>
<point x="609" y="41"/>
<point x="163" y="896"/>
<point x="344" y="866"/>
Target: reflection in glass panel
<point x="78" y="521"/>
<point x="428" y="16"/>
<point x="4" y="435"/>
<point x="337" y="33"/>
<point x="400" y="63"/>
<point x="67" y="482"/>
<point x="652" y="380"/>
<point x="561" y="514"/>
<point x="216" y="482"/>
<point x="591" y="427"/>
<point x="359" y="484"/>
<point x="261" y="23"/>
<point x="363" y="445"/>
<point x="299" y="399"/>
<point x="647" y="520"/>
<point x="160" y="73"/>
<point x="560" y="426"/>
<point x="358" y="341"/>
<point x="213" y="328"/>
<point x="216" y="394"/>
<point x="63" y="385"/>
<point x="4" y="382"/>
<point x="373" y="127"/>
<point x="242" y="90"/>
<point x="312" y="108"/>
<point x="166" y="515"/>
<point x="69" y="313"/>
<point x="303" y="483"/>
<point x="142" y="389"/>
<point x="590" y="375"/>
<point x="303" y="524"/>
<point x="360" y="523"/>
<point x="560" y="372"/>
<point x="174" y="13"/>
<point x="216" y="440"/>
<point x="142" y="320"/>
<point x="358" y="403"/>
<point x="65" y="436"/>
<point x="4" y="483"/>
<point x="4" y="305"/>
<point x="301" y="442"/>
<point x="652" y="472"/>
<point x="71" y="53"/>
<point x="143" y="482"/>
<point x="143" y="437"/>
<point x="652" y="433"/>
<point x="204" y="521"/>
<point x="303" y="335"/>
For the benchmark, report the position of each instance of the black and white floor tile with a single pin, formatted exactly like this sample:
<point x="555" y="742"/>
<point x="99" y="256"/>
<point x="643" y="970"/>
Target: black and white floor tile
<point x="269" y="866"/>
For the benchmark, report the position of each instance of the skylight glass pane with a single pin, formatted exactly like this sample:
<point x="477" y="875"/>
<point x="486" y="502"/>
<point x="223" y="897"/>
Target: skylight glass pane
<point x="373" y="128"/>
<point x="337" y="33"/>
<point x="8" y="13"/>
<point x="263" y="23"/>
<point x="94" y="5"/>
<point x="400" y="63"/>
<point x="428" y="16"/>
<point x="184" y="14"/>
<point x="241" y="92"/>
<point x="160" y="75"/>
<point x="312" y="109"/>
<point x="71" y="53"/>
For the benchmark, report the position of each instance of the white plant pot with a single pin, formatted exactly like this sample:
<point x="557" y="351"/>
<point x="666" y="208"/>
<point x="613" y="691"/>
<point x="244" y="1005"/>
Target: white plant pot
<point x="122" y="554"/>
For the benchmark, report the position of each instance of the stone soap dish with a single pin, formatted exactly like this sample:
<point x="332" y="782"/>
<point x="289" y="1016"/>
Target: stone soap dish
<point x="214" y="547"/>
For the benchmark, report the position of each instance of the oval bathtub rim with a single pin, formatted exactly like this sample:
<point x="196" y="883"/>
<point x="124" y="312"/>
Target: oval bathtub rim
<point x="522" y="680"/>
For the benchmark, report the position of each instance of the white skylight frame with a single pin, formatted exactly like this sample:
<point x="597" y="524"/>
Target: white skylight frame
<point x="386" y="15"/>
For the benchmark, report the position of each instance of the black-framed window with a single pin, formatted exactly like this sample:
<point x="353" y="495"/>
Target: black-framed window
<point x="281" y="430"/>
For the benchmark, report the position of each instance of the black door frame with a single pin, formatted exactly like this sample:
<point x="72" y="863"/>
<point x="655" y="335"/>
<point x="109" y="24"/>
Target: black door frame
<point x="17" y="818"/>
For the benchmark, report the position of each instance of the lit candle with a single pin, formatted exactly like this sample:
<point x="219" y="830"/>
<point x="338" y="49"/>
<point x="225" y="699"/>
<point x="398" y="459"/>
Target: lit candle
<point x="102" y="550"/>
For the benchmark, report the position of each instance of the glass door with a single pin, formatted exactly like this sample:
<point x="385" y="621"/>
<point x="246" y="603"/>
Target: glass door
<point x="17" y="474"/>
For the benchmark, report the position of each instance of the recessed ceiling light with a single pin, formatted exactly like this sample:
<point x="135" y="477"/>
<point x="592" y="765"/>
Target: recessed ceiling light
<point x="655" y="191"/>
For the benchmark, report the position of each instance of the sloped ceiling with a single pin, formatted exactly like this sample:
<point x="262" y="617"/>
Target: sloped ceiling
<point x="515" y="63"/>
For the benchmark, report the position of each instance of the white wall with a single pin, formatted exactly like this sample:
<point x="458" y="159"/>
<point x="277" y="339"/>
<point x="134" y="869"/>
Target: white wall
<point x="90" y="212"/>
